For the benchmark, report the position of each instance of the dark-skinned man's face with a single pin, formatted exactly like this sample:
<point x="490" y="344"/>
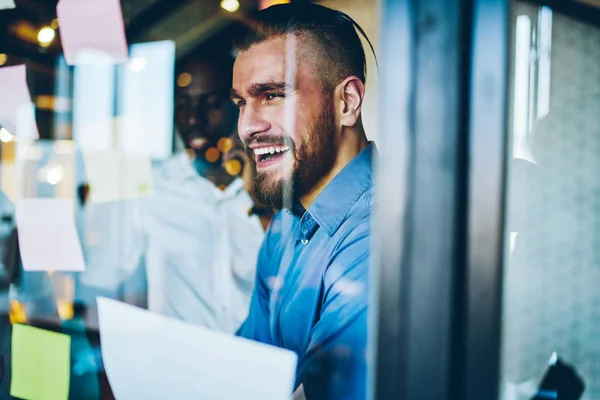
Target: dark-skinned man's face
<point x="203" y="112"/>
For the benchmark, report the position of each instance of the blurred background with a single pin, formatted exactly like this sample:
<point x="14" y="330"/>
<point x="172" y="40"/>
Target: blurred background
<point x="551" y="253"/>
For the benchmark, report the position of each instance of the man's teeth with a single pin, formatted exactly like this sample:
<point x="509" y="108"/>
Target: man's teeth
<point x="270" y="150"/>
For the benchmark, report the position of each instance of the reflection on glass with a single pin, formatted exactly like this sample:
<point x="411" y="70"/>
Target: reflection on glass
<point x="551" y="321"/>
<point x="180" y="234"/>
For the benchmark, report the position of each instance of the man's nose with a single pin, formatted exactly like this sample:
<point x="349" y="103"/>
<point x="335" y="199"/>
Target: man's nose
<point x="197" y="115"/>
<point x="251" y="123"/>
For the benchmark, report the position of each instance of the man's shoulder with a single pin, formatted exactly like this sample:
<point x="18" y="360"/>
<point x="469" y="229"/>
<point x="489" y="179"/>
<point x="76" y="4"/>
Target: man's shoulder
<point x="171" y="167"/>
<point x="357" y="223"/>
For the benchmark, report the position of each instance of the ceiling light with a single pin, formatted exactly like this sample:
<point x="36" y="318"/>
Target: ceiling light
<point x="6" y="136"/>
<point x="230" y="5"/>
<point x="137" y="64"/>
<point x="46" y="36"/>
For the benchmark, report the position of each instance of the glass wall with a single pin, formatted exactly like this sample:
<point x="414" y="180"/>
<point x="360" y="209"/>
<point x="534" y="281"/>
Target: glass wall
<point x="126" y="176"/>
<point x="551" y="318"/>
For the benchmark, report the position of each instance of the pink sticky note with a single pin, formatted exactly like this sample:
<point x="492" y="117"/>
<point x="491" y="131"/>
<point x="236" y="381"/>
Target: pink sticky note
<point x="262" y="4"/>
<point x="48" y="239"/>
<point x="17" y="112"/>
<point x="91" y="25"/>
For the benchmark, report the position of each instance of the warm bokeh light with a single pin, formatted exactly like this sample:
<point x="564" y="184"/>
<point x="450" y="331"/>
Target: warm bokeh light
<point x="230" y="5"/>
<point x="54" y="23"/>
<point x="212" y="154"/>
<point x="224" y="145"/>
<point x="65" y="309"/>
<point x="233" y="167"/>
<point x="64" y="147"/>
<point x="46" y="36"/>
<point x="137" y="64"/>
<point x="184" y="79"/>
<point x="3" y="58"/>
<point x="6" y="136"/>
<point x="16" y="312"/>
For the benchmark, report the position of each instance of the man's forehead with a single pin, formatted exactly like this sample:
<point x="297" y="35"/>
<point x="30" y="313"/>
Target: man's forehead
<point x="268" y="61"/>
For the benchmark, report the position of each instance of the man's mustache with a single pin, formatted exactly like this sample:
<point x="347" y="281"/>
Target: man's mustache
<point x="271" y="139"/>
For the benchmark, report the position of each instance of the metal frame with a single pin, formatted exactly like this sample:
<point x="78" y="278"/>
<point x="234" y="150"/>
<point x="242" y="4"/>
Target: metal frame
<point x="488" y="155"/>
<point x="439" y="222"/>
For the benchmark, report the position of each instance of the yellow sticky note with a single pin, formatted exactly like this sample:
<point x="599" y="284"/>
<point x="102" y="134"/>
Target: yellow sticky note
<point x="40" y="364"/>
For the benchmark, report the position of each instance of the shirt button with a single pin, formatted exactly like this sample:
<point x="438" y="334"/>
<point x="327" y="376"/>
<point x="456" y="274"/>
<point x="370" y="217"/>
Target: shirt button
<point x="304" y="241"/>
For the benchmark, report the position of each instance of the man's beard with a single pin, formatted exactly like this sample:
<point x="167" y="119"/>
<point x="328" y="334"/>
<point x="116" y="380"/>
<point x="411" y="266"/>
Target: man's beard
<point x="313" y="159"/>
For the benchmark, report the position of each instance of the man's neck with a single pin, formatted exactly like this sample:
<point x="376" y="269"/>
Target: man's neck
<point x="346" y="153"/>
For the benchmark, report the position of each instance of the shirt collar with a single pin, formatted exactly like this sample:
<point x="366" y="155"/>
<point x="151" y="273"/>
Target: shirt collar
<point x="335" y="201"/>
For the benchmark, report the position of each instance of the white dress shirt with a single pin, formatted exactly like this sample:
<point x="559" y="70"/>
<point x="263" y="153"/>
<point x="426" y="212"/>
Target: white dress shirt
<point x="197" y="243"/>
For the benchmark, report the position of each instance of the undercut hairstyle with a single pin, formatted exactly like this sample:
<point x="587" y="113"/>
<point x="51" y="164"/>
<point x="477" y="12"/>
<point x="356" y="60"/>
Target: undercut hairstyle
<point x="326" y="35"/>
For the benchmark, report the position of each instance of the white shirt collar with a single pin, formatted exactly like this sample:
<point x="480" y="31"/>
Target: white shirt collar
<point x="179" y="168"/>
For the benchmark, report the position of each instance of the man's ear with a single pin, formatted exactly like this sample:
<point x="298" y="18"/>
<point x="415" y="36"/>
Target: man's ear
<point x="351" y="92"/>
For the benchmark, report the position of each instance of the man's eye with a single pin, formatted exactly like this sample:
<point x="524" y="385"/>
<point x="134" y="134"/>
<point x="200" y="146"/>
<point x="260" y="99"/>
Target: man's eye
<point x="239" y="103"/>
<point x="271" y="96"/>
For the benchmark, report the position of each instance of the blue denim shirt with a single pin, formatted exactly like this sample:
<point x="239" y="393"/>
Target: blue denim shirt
<point x="312" y="285"/>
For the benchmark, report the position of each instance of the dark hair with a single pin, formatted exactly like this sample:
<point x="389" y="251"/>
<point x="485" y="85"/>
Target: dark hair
<point x="339" y="50"/>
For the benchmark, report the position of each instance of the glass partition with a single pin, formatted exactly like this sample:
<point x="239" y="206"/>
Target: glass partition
<point x="228" y="203"/>
<point x="551" y="318"/>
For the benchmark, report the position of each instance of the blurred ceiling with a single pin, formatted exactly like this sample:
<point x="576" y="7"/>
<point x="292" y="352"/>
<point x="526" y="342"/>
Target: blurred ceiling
<point x="187" y="22"/>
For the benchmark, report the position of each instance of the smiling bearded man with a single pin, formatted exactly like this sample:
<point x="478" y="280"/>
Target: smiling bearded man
<point x="298" y="82"/>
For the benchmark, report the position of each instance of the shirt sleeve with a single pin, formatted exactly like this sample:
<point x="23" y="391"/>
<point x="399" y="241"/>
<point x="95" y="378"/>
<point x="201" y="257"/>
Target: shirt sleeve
<point x="335" y="364"/>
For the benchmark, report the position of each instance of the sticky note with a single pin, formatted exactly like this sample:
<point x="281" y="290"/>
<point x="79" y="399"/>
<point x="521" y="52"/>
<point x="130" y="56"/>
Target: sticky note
<point x="5" y="4"/>
<point x="193" y="362"/>
<point x="40" y="364"/>
<point x="91" y="25"/>
<point x="114" y="175"/>
<point x="145" y="98"/>
<point x="262" y="4"/>
<point x="17" y="111"/>
<point x="48" y="239"/>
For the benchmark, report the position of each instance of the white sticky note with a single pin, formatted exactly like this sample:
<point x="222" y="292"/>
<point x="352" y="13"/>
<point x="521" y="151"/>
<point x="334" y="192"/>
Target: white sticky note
<point x="114" y="175"/>
<point x="92" y="25"/>
<point x="17" y="111"/>
<point x="147" y="356"/>
<point x="146" y="100"/>
<point x="6" y="4"/>
<point x="48" y="239"/>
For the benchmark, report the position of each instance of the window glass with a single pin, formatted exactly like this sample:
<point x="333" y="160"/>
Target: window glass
<point x="551" y="319"/>
<point x="181" y="163"/>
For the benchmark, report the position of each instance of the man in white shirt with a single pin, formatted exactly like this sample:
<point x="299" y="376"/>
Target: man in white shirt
<point x="194" y="239"/>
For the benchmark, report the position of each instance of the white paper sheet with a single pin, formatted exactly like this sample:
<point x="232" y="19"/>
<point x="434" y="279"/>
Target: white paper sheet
<point x="91" y="24"/>
<point x="147" y="356"/>
<point x="48" y="238"/>
<point x="5" y="4"/>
